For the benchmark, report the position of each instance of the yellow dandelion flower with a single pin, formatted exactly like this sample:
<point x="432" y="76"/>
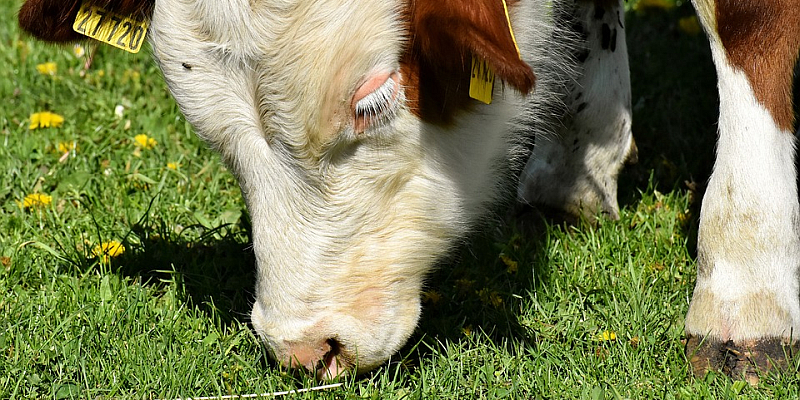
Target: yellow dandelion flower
<point x="45" y="119"/>
<point x="131" y="75"/>
<point x="173" y="165"/>
<point x="608" y="336"/>
<point x="144" y="141"/>
<point x="107" y="250"/>
<point x="467" y="330"/>
<point x="36" y="200"/>
<point x="464" y="284"/>
<point x="431" y="296"/>
<point x="66" y="147"/>
<point x="511" y="265"/>
<point x="490" y="297"/>
<point x="78" y="50"/>
<point x="689" y="25"/>
<point x="138" y="184"/>
<point x="48" y="68"/>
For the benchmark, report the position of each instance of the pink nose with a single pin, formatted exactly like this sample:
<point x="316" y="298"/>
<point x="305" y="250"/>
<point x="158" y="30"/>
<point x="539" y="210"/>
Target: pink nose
<point x="323" y="358"/>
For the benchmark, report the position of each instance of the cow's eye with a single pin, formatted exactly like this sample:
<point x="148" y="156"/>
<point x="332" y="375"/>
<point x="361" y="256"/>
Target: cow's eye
<point x="375" y="102"/>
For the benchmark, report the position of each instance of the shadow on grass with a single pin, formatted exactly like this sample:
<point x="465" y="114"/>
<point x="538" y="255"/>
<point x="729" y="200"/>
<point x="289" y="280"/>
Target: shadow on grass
<point x="675" y="104"/>
<point x="214" y="266"/>
<point x="675" y="110"/>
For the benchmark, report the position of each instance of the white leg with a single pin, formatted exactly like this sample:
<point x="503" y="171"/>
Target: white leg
<point x="746" y="303"/>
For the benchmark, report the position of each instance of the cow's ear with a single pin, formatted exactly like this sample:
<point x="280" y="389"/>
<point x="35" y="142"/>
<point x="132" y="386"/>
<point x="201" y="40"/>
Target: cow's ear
<point x="451" y="31"/>
<point x="50" y="20"/>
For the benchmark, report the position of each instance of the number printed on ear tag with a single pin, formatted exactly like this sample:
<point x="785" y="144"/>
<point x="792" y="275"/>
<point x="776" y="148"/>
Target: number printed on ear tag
<point x="481" y="80"/>
<point x="124" y="32"/>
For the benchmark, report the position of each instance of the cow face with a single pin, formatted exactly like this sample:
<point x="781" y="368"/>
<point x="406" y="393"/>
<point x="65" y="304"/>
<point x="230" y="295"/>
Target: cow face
<point x="350" y="130"/>
<point x="359" y="153"/>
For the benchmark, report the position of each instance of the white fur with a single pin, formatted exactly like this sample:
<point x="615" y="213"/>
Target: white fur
<point x="576" y="168"/>
<point x="748" y="245"/>
<point x="345" y="224"/>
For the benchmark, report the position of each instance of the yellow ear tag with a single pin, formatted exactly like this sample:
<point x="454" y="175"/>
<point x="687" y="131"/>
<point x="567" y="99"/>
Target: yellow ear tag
<point x="481" y="80"/>
<point x="124" y="32"/>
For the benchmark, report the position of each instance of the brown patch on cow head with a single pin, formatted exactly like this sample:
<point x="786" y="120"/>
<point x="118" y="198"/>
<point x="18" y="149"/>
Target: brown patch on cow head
<point x="443" y="37"/>
<point x="762" y="39"/>
<point x="51" y="20"/>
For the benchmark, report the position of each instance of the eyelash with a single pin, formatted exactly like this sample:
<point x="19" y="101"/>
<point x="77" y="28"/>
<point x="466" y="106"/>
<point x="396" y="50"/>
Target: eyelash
<point x="377" y="105"/>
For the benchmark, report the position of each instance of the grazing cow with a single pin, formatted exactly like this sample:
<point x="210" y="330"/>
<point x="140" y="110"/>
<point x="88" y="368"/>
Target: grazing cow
<point x="362" y="157"/>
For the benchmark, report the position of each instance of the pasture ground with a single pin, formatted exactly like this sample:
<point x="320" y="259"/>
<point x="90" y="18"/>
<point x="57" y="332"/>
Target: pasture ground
<point x="563" y="312"/>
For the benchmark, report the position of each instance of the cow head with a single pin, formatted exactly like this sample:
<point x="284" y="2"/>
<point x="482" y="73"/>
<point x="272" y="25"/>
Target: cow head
<point x="359" y="153"/>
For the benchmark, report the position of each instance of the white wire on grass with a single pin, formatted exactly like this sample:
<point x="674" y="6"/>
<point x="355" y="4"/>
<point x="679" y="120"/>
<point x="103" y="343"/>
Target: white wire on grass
<point x="273" y="394"/>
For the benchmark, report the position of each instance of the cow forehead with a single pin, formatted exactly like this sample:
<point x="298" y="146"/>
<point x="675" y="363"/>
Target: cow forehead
<point x="312" y="57"/>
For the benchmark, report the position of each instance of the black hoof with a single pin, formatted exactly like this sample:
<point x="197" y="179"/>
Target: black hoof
<point x="745" y="360"/>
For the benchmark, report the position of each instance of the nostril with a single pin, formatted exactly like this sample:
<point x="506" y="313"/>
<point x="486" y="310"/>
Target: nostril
<point x="330" y="366"/>
<point x="335" y="349"/>
<point x="325" y="359"/>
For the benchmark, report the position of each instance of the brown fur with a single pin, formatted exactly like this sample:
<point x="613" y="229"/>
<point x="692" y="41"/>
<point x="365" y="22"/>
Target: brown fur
<point x="762" y="38"/>
<point x="443" y="35"/>
<point x="51" y="20"/>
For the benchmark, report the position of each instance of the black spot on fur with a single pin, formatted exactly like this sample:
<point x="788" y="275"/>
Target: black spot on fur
<point x="581" y="107"/>
<point x="605" y="37"/>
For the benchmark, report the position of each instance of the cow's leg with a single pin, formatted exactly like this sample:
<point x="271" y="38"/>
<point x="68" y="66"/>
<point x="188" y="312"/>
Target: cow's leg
<point x="576" y="169"/>
<point x="745" y="311"/>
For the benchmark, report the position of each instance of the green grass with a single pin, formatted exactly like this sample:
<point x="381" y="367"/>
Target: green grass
<point x="168" y="317"/>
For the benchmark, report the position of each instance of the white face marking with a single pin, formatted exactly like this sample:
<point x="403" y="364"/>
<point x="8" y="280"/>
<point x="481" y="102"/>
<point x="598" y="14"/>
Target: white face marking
<point x="347" y="218"/>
